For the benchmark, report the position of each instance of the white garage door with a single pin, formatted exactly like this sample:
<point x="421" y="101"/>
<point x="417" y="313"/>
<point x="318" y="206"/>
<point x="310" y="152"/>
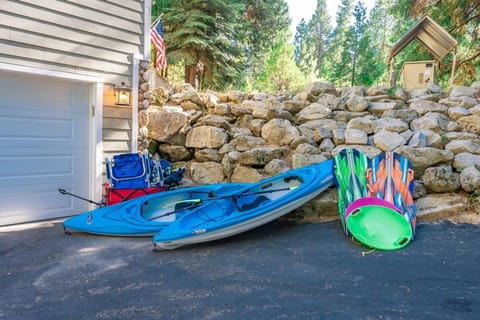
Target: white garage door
<point x="44" y="137"/>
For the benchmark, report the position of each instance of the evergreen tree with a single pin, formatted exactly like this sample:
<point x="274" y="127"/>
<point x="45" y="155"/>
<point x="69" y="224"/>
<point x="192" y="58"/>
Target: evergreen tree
<point x="379" y="30"/>
<point x="204" y="34"/>
<point x="305" y="49"/>
<point x="268" y="25"/>
<point x="367" y="64"/>
<point x="320" y="29"/>
<point x="338" y="58"/>
<point x="280" y="72"/>
<point x="299" y="41"/>
<point x="358" y="32"/>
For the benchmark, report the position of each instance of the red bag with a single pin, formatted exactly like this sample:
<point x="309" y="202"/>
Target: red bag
<point x="114" y="195"/>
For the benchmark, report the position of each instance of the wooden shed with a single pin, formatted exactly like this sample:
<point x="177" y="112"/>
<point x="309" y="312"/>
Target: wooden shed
<point x="438" y="42"/>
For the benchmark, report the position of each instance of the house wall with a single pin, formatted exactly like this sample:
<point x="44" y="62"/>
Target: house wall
<point x="88" y="37"/>
<point x="79" y="36"/>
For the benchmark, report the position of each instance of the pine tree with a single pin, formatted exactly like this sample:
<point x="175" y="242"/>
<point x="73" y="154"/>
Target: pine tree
<point x="338" y="57"/>
<point x="379" y="30"/>
<point x="358" y="33"/>
<point x="268" y="25"/>
<point x="280" y="72"/>
<point x="204" y="33"/>
<point x="320" y="28"/>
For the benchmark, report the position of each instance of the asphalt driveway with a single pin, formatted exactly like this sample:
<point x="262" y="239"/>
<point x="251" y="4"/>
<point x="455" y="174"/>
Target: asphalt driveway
<point x="278" y="271"/>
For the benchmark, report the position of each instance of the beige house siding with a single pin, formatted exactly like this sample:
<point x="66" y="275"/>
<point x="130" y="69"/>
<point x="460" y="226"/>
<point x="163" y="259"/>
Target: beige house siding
<point x="91" y="36"/>
<point x="88" y="37"/>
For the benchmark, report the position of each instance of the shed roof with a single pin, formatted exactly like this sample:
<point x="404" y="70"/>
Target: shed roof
<point x="436" y="39"/>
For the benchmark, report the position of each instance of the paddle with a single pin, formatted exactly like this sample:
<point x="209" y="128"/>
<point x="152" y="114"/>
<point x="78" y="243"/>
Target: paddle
<point x="198" y="201"/>
<point x="63" y="191"/>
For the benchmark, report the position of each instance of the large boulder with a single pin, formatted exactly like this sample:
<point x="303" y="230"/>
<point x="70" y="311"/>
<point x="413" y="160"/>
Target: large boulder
<point x="366" y="124"/>
<point x="276" y="166"/>
<point x="330" y="101"/>
<point x="355" y="136"/>
<point x="387" y="140"/>
<point x="406" y="115"/>
<point x="357" y="103"/>
<point x="207" y="172"/>
<point x="206" y="137"/>
<point x="463" y="146"/>
<point x="319" y="88"/>
<point x="174" y="153"/>
<point x="424" y="106"/>
<point x="279" y="132"/>
<point x="464" y="160"/>
<point x="214" y="121"/>
<point x="463" y="91"/>
<point x="470" y="123"/>
<point x="433" y="121"/>
<point x="313" y="112"/>
<point x="261" y="156"/>
<point x="167" y="125"/>
<point x="424" y="157"/>
<point x="246" y="174"/>
<point x="461" y="101"/>
<point x="457" y="112"/>
<point x="470" y="179"/>
<point x="206" y="155"/>
<point x="246" y="142"/>
<point x="443" y="206"/>
<point x="441" y="179"/>
<point x="391" y="124"/>
<point x="378" y="108"/>
<point x="301" y="160"/>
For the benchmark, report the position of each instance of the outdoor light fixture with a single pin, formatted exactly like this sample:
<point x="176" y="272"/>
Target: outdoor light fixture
<point x="122" y="94"/>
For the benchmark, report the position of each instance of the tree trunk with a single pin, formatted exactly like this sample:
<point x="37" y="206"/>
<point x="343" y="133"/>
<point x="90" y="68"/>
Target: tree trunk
<point x="190" y="74"/>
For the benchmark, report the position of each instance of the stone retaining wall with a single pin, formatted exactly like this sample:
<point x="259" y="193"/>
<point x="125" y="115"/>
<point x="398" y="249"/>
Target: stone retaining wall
<point x="238" y="136"/>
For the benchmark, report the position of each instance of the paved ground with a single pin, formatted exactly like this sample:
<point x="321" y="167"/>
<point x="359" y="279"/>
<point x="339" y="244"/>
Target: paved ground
<point x="279" y="271"/>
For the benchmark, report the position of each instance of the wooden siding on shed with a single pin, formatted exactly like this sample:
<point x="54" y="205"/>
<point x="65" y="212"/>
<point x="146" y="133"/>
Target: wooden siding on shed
<point x="94" y="37"/>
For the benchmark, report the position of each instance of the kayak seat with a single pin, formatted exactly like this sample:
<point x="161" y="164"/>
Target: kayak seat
<point x="184" y="205"/>
<point x="254" y="204"/>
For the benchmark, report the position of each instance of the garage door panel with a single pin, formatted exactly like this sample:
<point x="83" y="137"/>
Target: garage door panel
<point x="44" y="145"/>
<point x="38" y="87"/>
<point x="21" y="128"/>
<point x="16" y="167"/>
<point x="48" y="204"/>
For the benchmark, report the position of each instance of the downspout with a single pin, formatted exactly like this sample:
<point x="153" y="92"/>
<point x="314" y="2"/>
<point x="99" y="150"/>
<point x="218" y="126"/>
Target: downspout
<point x="135" y="84"/>
<point x="147" y="17"/>
<point x="137" y="58"/>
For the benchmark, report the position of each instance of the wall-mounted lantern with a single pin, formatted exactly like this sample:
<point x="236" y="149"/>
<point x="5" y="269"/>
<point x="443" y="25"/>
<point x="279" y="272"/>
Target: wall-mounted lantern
<point x="123" y="94"/>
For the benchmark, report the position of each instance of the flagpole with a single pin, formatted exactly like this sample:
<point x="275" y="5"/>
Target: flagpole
<point x="157" y="19"/>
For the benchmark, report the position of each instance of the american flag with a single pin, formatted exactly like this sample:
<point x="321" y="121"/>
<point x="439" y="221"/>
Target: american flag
<point x="156" y="35"/>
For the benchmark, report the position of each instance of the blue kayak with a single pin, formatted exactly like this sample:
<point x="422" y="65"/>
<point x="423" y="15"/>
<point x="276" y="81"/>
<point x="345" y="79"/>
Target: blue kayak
<point x="248" y="208"/>
<point x="146" y="215"/>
